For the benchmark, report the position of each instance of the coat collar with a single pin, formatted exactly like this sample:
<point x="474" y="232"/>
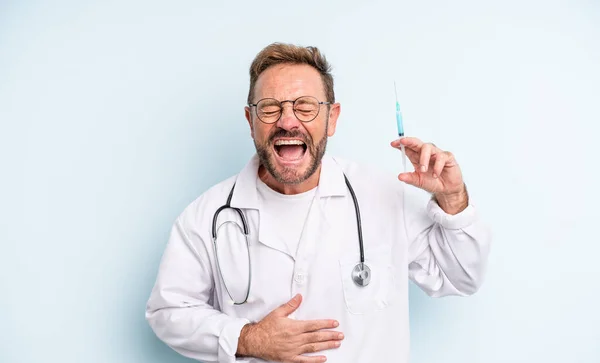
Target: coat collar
<point x="331" y="182"/>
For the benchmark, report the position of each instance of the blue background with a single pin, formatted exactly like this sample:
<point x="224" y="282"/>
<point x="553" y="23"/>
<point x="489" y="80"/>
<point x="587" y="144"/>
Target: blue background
<point x="115" y="115"/>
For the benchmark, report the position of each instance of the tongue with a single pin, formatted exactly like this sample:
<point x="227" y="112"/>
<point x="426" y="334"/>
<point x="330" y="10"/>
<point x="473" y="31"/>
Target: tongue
<point x="291" y="152"/>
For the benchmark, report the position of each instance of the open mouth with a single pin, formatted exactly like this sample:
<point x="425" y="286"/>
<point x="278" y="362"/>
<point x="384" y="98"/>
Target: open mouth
<point x="290" y="150"/>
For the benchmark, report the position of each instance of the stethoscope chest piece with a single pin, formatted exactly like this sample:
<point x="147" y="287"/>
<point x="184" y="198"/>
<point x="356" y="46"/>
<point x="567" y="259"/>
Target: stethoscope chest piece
<point x="361" y="274"/>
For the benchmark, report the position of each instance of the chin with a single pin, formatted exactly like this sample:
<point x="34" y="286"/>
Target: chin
<point x="285" y="173"/>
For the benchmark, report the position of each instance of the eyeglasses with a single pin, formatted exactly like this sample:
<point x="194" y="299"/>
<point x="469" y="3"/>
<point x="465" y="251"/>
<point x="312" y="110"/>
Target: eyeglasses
<point x="306" y="109"/>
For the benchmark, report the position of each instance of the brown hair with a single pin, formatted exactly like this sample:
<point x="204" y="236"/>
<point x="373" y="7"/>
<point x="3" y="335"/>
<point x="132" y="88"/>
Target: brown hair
<point x="281" y="53"/>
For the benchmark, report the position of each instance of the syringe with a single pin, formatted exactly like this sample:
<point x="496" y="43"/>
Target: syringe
<point x="400" y="127"/>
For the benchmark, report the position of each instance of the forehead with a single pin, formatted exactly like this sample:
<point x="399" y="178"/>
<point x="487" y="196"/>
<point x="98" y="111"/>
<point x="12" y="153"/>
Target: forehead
<point x="288" y="82"/>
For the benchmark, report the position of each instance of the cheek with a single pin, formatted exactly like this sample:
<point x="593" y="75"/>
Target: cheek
<point x="316" y="131"/>
<point x="261" y="131"/>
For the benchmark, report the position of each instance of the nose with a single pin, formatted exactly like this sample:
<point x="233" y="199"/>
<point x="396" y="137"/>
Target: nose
<point x="288" y="120"/>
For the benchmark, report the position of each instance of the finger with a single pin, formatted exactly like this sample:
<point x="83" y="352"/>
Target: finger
<point x="406" y="141"/>
<point x="410" y="142"/>
<point x="320" y="346"/>
<point x="440" y="161"/>
<point x="314" y="325"/>
<point x="322" y="336"/>
<point x="289" y="307"/>
<point x="413" y="157"/>
<point x="312" y="359"/>
<point x="425" y="156"/>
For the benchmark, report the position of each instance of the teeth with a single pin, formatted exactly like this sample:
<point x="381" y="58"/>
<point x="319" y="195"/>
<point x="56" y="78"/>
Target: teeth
<point x="288" y="142"/>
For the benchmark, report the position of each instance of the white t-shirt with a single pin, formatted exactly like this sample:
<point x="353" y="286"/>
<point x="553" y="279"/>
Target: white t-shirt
<point x="284" y="214"/>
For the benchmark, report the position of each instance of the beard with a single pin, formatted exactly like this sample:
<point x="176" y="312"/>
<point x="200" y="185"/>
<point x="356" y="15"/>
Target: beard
<point x="287" y="175"/>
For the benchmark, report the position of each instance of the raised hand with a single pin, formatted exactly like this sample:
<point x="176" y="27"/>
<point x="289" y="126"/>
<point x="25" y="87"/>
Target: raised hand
<point x="279" y="338"/>
<point x="436" y="171"/>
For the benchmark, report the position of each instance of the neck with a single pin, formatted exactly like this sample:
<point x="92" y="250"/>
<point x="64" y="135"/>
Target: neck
<point x="289" y="189"/>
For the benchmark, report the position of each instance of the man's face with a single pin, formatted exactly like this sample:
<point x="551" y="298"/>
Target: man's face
<point x="291" y="150"/>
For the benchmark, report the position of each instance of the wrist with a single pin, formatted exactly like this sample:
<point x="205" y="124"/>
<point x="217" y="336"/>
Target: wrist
<point x="453" y="203"/>
<point x="244" y="348"/>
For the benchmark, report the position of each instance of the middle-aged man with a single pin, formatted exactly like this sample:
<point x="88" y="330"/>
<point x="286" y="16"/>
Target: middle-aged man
<point x="323" y="271"/>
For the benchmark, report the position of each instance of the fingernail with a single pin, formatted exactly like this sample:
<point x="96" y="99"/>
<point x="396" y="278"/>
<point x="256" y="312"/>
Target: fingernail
<point x="335" y="324"/>
<point x="341" y="335"/>
<point x="337" y="344"/>
<point x="423" y="168"/>
<point x="435" y="175"/>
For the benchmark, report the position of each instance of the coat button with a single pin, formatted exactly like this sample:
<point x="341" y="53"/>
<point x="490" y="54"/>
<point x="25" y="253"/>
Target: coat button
<point x="300" y="278"/>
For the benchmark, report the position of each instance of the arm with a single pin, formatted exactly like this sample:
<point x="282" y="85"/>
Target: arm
<point x="447" y="251"/>
<point x="181" y="315"/>
<point x="179" y="310"/>
<point x="448" y="244"/>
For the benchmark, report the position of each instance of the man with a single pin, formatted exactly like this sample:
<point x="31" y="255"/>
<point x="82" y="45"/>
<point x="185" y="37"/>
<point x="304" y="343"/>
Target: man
<point x="307" y="287"/>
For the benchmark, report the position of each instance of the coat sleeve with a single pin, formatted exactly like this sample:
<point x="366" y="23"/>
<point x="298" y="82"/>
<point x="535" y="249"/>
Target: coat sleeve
<point x="179" y="309"/>
<point x="447" y="254"/>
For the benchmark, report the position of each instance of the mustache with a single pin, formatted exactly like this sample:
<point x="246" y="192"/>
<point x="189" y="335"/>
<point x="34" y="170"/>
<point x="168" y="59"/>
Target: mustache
<point x="291" y="134"/>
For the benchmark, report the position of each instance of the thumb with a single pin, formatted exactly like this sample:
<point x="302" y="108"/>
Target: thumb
<point x="410" y="178"/>
<point x="290" y="306"/>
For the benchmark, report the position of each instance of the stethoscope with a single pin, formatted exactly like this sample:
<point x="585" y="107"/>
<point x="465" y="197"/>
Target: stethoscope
<point x="361" y="273"/>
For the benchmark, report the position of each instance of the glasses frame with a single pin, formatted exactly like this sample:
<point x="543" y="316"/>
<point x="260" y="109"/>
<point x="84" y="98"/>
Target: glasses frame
<point x="293" y="102"/>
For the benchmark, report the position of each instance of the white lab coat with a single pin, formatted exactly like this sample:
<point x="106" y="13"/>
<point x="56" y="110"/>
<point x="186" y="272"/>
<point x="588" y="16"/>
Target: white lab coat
<point x="443" y="254"/>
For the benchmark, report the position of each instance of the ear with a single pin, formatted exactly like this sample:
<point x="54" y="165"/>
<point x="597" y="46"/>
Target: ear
<point x="334" y="113"/>
<point x="249" y="118"/>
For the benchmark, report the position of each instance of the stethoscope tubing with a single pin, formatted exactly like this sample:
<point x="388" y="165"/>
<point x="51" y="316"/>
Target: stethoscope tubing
<point x="360" y="274"/>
